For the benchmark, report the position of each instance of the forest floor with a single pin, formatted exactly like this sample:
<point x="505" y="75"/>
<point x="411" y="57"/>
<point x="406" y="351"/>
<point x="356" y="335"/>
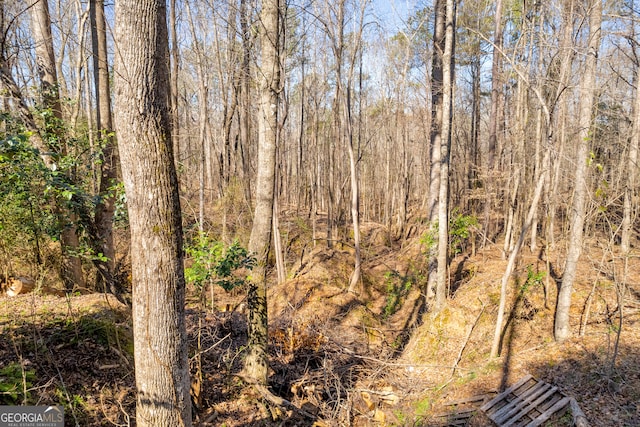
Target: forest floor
<point x="379" y="357"/>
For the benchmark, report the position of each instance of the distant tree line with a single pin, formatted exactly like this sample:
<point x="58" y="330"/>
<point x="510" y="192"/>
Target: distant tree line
<point x="524" y="116"/>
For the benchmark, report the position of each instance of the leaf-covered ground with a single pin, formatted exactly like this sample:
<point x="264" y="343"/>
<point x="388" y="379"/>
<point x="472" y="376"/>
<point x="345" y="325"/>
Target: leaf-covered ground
<point x="376" y="358"/>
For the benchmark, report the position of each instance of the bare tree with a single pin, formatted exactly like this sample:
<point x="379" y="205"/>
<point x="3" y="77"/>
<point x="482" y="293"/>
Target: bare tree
<point x="495" y="114"/>
<point x="629" y="211"/>
<point x="175" y="65"/>
<point x="256" y="363"/>
<point x="445" y="141"/>
<point x="41" y="29"/>
<point x="108" y="156"/>
<point x="143" y="122"/>
<point x="437" y="117"/>
<point x="203" y="116"/>
<point x="547" y="113"/>
<point x="587" y="98"/>
<point x="354" y="150"/>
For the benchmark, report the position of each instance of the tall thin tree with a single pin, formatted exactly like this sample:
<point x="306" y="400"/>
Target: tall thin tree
<point x="445" y="141"/>
<point x="435" y="139"/>
<point x="45" y="58"/>
<point x="175" y="63"/>
<point x="630" y="210"/>
<point x="256" y="363"/>
<point x="578" y="209"/>
<point x="107" y="152"/>
<point x="494" y="114"/>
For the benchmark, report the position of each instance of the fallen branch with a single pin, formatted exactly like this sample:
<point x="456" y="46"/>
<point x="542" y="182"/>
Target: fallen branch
<point x="409" y="366"/>
<point x="282" y="402"/>
<point x="466" y="341"/>
<point x="212" y="347"/>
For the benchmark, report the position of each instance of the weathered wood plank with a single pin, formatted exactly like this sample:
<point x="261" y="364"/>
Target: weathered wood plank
<point x="529" y="407"/>
<point x="472" y="399"/>
<point x="518" y="404"/>
<point x="458" y="412"/>
<point x="502" y="414"/>
<point x="451" y="420"/>
<point x="505" y="393"/>
<point x="550" y="402"/>
<point x="579" y="419"/>
<point x="549" y="412"/>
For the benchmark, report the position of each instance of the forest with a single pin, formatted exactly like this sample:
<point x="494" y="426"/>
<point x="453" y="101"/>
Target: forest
<point x="323" y="213"/>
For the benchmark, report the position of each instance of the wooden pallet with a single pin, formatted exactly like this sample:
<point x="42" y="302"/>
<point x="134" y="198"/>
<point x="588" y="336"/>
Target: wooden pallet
<point x="460" y="411"/>
<point x="529" y="402"/>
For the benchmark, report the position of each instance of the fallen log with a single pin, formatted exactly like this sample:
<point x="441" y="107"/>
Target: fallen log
<point x="579" y="418"/>
<point x="19" y="285"/>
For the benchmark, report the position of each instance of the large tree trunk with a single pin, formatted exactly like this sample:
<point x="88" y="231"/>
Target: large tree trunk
<point x="256" y="363"/>
<point x="587" y="97"/>
<point x="142" y="118"/>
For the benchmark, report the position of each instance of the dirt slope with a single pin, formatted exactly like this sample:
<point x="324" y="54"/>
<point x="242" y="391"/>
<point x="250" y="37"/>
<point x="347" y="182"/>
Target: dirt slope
<point x="378" y="357"/>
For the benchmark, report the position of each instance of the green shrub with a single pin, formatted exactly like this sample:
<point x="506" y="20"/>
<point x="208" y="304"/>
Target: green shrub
<point x="397" y="288"/>
<point x="213" y="263"/>
<point x="460" y="229"/>
<point x="15" y="384"/>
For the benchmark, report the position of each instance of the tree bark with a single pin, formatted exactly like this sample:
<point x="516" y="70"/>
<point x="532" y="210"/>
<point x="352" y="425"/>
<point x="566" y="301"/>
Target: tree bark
<point x="494" y="115"/>
<point x="629" y="210"/>
<point x="495" y="86"/>
<point x="587" y="98"/>
<point x="175" y="62"/>
<point x="108" y="156"/>
<point x="256" y="363"/>
<point x="445" y="141"/>
<point x="45" y="58"/>
<point x="143" y="121"/>
<point x="436" y="139"/>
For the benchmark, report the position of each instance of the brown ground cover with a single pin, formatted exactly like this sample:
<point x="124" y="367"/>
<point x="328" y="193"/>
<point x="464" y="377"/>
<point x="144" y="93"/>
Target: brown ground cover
<point x="376" y="358"/>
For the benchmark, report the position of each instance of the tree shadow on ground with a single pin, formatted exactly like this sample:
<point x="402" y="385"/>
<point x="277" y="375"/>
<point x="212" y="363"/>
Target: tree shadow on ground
<point x="521" y="311"/>
<point x="461" y="275"/>
<point x="609" y="395"/>
<point x="81" y="362"/>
